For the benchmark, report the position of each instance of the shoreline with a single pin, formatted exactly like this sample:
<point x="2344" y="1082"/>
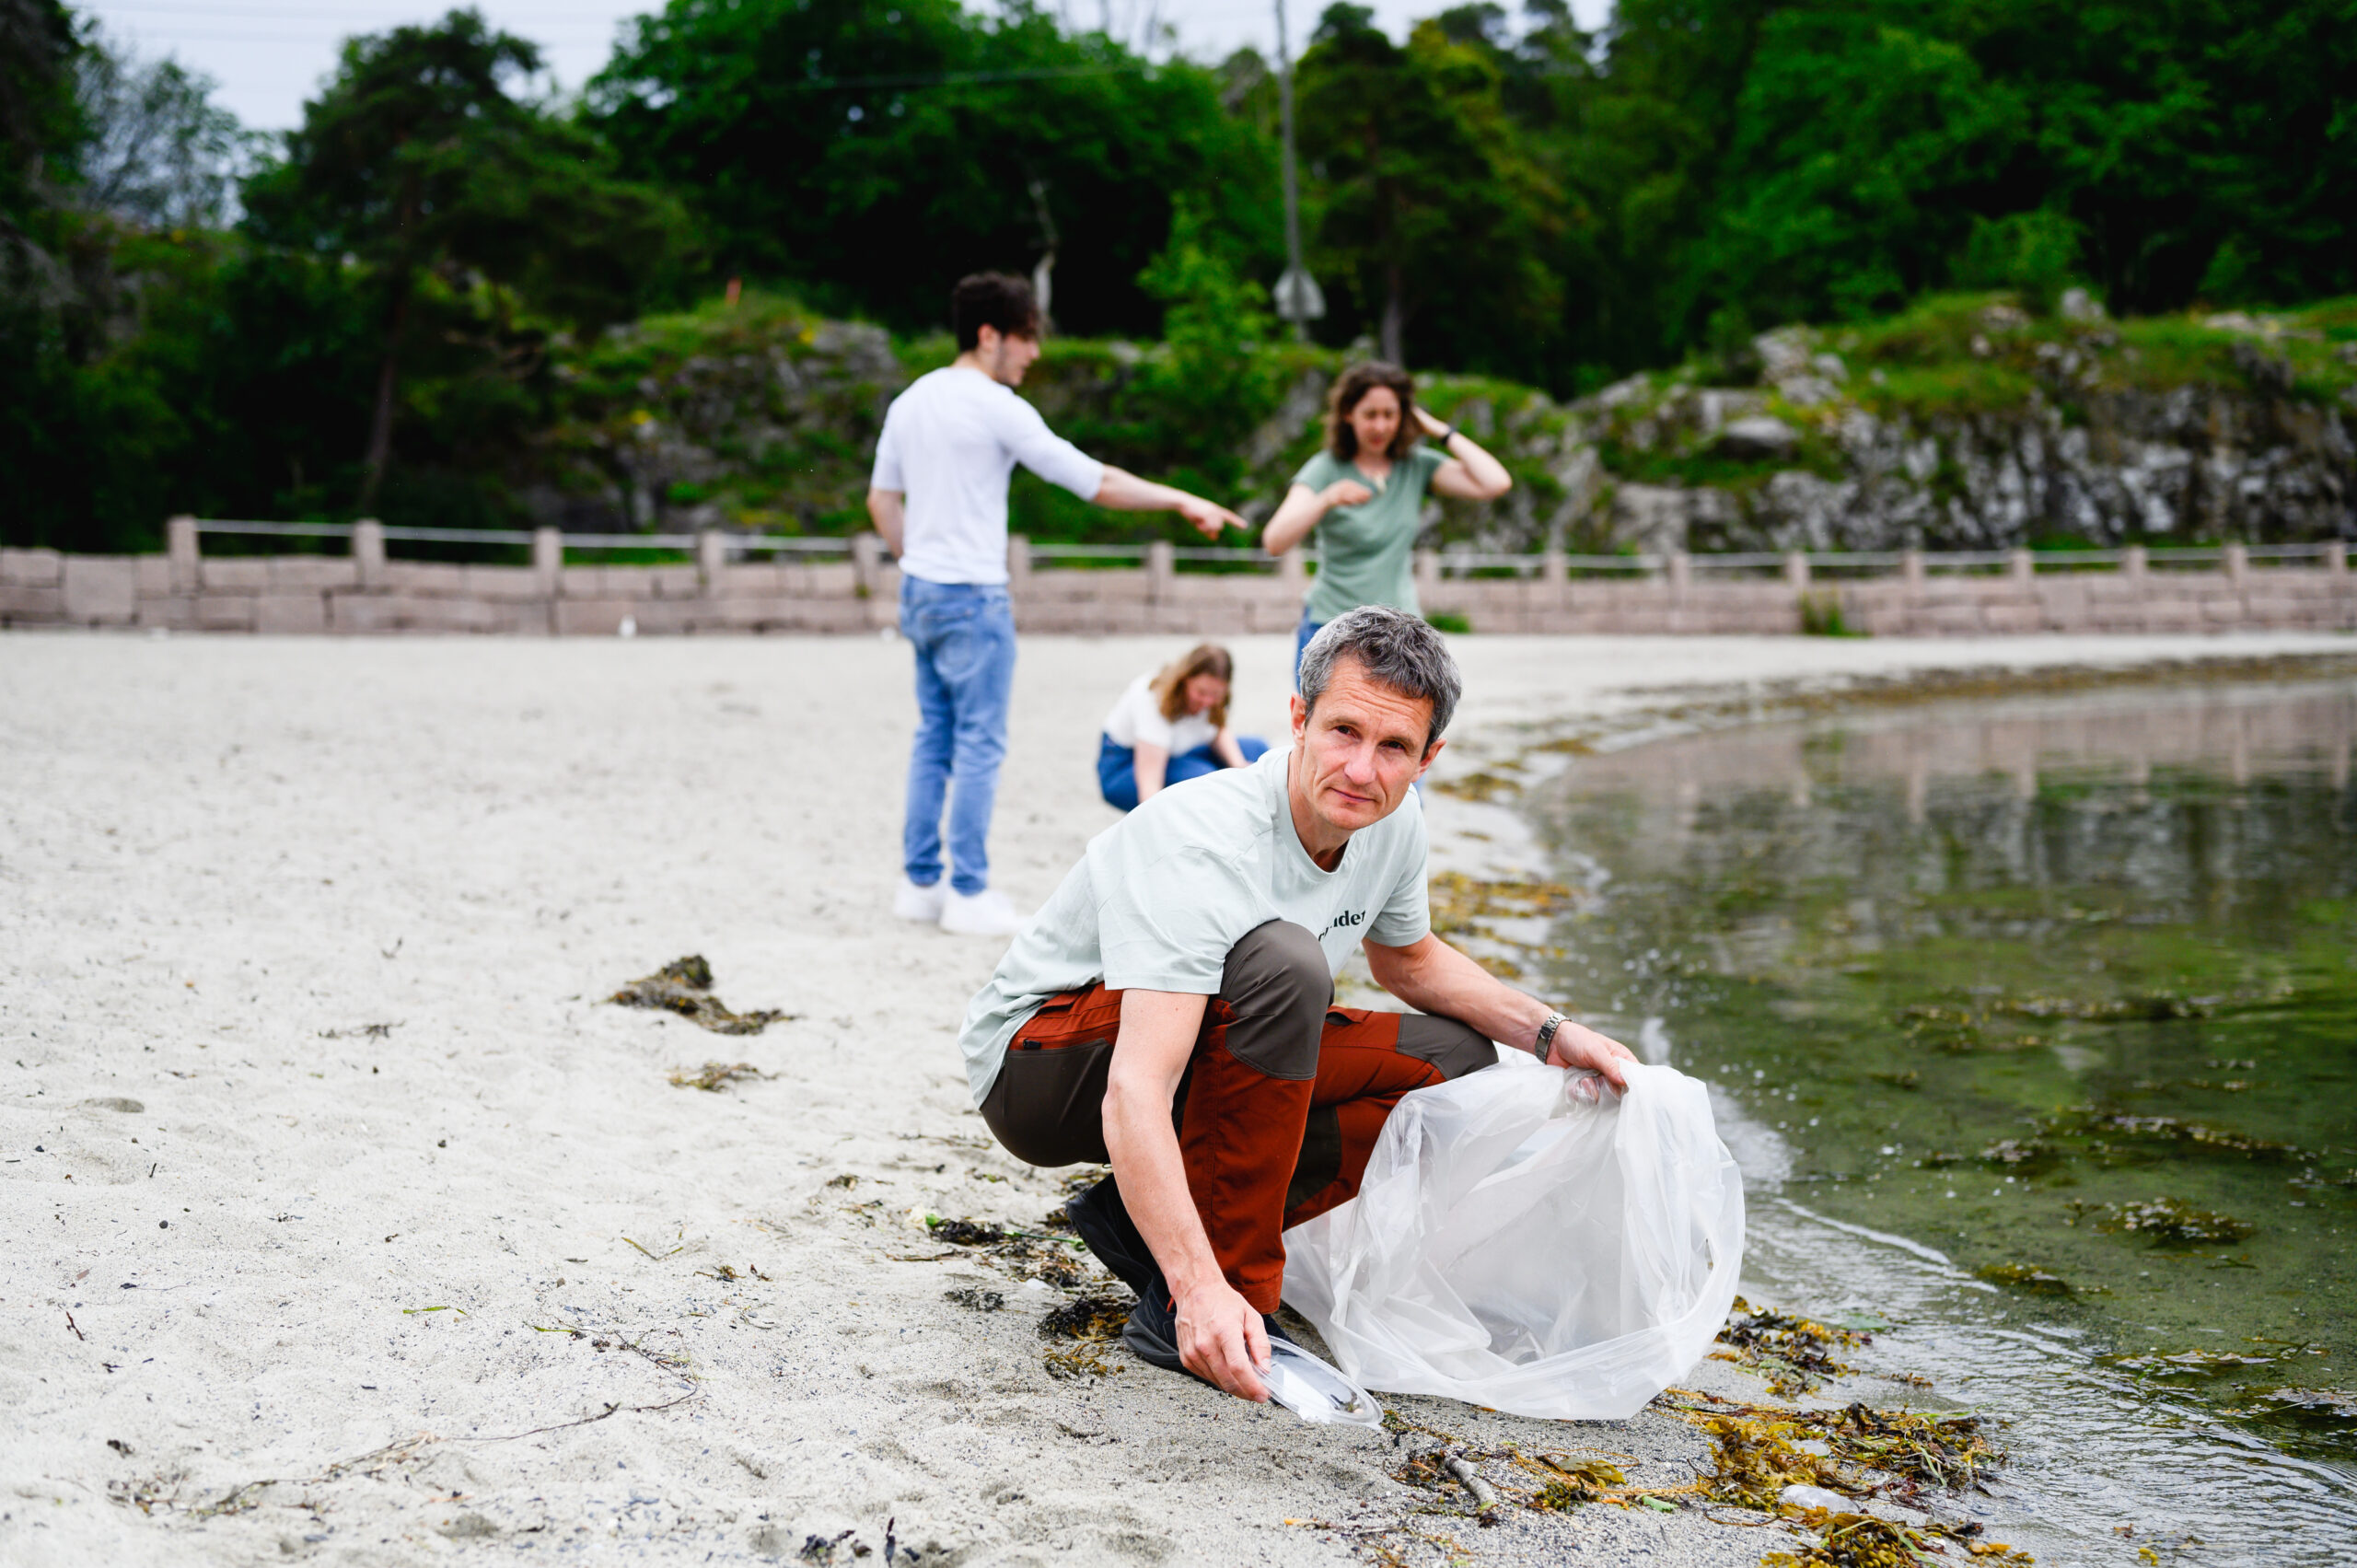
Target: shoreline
<point x="227" y="865"/>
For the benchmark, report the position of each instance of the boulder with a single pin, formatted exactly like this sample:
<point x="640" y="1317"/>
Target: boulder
<point x="1760" y="436"/>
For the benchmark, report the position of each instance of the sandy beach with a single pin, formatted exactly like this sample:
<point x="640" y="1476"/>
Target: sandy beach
<point x="349" y="1224"/>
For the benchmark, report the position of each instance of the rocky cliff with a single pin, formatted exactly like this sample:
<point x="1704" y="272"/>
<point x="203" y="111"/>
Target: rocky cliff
<point x="1969" y="426"/>
<point x="1965" y="423"/>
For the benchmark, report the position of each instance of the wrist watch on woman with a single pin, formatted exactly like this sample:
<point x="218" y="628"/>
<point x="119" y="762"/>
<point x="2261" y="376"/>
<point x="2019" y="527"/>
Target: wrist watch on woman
<point x="1547" y="1034"/>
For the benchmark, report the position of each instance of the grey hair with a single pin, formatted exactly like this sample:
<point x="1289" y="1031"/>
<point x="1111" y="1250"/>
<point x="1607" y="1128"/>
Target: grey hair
<point x="1395" y="649"/>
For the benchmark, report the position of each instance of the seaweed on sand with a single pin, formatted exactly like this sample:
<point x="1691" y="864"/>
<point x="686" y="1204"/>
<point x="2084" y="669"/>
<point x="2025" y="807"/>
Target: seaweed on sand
<point x="684" y="986"/>
<point x="1758" y="1450"/>
<point x="714" y="1076"/>
<point x="1567" y="1485"/>
<point x="1795" y="1355"/>
<point x="1081" y="1331"/>
<point x="1861" y="1541"/>
<point x="965" y="1233"/>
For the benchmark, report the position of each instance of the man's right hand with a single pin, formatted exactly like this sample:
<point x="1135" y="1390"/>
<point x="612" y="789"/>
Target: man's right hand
<point x="1211" y="520"/>
<point x="1222" y="1338"/>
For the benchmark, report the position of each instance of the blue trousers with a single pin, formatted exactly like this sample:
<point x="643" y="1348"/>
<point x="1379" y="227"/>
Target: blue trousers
<point x="1117" y="767"/>
<point x="964" y="638"/>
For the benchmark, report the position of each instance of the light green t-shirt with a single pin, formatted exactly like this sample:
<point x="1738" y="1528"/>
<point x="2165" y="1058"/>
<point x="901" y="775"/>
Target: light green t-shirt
<point x="1366" y="553"/>
<point x="1159" y="897"/>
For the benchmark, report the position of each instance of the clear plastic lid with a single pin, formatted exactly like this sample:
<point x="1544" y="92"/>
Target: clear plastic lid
<point x="1315" y="1391"/>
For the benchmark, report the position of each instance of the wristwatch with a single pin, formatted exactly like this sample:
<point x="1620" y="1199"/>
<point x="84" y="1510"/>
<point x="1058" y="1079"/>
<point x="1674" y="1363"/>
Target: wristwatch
<point x="1444" y="436"/>
<point x="1547" y="1034"/>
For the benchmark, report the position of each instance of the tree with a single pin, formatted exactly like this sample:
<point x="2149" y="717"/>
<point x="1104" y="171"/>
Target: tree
<point x="1424" y="189"/>
<point x="158" y="152"/>
<point x="417" y="160"/>
<point x="868" y="158"/>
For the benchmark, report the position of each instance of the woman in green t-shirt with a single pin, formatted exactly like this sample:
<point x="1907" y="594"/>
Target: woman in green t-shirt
<point x="1365" y="495"/>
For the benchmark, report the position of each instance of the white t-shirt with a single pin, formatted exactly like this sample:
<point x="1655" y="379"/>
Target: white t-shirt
<point x="1159" y="897"/>
<point x="949" y="444"/>
<point x="1137" y="720"/>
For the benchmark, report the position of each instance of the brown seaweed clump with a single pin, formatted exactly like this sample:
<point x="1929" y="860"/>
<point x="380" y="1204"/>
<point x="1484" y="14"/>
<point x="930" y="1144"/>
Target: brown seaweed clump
<point x="714" y="1076"/>
<point x="1564" y="1486"/>
<point x="1861" y="1541"/>
<point x="684" y="986"/>
<point x="2024" y="1277"/>
<point x="1080" y="1332"/>
<point x="965" y="1233"/>
<point x="1795" y="1355"/>
<point x="2171" y="1222"/>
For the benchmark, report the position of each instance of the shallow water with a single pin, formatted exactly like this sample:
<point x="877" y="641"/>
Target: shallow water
<point x="2035" y="1023"/>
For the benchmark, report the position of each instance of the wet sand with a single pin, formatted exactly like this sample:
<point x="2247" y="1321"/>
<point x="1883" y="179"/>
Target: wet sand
<point x="349" y="1224"/>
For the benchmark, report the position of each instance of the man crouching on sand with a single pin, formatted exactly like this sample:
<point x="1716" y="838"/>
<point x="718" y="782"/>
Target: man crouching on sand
<point x="1171" y="1007"/>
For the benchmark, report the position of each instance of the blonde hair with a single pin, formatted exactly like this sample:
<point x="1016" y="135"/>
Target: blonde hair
<point x="1170" y="686"/>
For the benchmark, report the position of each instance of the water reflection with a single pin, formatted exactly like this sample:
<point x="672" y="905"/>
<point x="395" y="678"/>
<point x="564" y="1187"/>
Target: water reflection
<point x="2057" y="996"/>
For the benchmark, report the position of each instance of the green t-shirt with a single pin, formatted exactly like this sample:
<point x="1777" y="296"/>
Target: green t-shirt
<point x="1366" y="552"/>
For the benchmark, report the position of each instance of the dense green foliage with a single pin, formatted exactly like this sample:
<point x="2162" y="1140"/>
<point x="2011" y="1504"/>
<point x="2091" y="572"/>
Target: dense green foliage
<point x="378" y="315"/>
<point x="871" y="158"/>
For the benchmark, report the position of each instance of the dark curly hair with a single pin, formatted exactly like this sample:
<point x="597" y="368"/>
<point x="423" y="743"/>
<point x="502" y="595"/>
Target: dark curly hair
<point x="994" y="301"/>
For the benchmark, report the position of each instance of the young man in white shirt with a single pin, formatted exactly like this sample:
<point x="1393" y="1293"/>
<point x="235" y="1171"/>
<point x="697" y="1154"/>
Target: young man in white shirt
<point x="938" y="496"/>
<point x="1188" y="962"/>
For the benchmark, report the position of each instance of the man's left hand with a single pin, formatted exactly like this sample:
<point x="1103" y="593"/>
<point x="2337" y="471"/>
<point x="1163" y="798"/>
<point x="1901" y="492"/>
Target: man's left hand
<point x="1577" y="1046"/>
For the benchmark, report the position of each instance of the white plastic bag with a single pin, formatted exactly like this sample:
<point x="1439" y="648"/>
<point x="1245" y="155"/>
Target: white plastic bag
<point x="1528" y="1239"/>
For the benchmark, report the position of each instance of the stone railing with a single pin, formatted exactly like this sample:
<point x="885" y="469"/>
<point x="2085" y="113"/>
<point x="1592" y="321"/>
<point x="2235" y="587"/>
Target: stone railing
<point x="738" y="583"/>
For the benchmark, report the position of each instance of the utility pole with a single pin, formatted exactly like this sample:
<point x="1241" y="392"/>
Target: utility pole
<point x="1298" y="300"/>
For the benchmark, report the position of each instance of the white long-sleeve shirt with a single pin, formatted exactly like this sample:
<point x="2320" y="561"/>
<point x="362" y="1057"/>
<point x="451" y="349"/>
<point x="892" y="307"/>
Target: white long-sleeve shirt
<point x="950" y="443"/>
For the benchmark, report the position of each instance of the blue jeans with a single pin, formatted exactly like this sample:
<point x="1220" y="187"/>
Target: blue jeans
<point x="1117" y="767"/>
<point x="1301" y="643"/>
<point x="964" y="637"/>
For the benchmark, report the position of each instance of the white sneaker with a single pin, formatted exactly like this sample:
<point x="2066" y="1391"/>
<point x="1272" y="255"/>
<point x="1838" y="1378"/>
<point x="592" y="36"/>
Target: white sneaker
<point x="986" y="913"/>
<point x="912" y="902"/>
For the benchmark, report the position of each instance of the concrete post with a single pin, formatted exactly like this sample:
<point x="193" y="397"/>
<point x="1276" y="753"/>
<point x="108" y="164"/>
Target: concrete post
<point x="712" y="553"/>
<point x="1555" y="568"/>
<point x="1293" y="570"/>
<point x="2336" y="559"/>
<point x="2134" y="563"/>
<point x="1427" y="570"/>
<point x="1681" y="572"/>
<point x="2237" y="564"/>
<point x="179" y="547"/>
<point x="1019" y="563"/>
<point x="866" y="564"/>
<point x="548" y="559"/>
<point x="1796" y="569"/>
<point x="1161" y="567"/>
<point x="1911" y="570"/>
<point x="2021" y="566"/>
<point x="368" y="553"/>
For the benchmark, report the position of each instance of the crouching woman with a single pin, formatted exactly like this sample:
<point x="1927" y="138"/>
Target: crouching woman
<point x="1169" y="726"/>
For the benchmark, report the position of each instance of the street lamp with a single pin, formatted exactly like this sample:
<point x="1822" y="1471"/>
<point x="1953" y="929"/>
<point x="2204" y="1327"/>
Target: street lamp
<point x="1298" y="300"/>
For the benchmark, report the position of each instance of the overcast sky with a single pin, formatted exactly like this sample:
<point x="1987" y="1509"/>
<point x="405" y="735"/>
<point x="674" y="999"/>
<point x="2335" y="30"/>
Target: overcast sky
<point x="268" y="55"/>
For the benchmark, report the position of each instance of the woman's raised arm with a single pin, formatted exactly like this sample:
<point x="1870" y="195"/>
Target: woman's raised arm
<point x="1471" y="473"/>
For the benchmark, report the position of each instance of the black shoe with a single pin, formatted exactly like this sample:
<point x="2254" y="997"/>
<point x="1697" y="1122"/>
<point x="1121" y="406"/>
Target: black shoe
<point x="1269" y="1320"/>
<point x="1102" y="1221"/>
<point x="1152" y="1332"/>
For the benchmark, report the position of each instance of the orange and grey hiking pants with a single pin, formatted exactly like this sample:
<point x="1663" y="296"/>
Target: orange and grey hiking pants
<point x="1280" y="1106"/>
